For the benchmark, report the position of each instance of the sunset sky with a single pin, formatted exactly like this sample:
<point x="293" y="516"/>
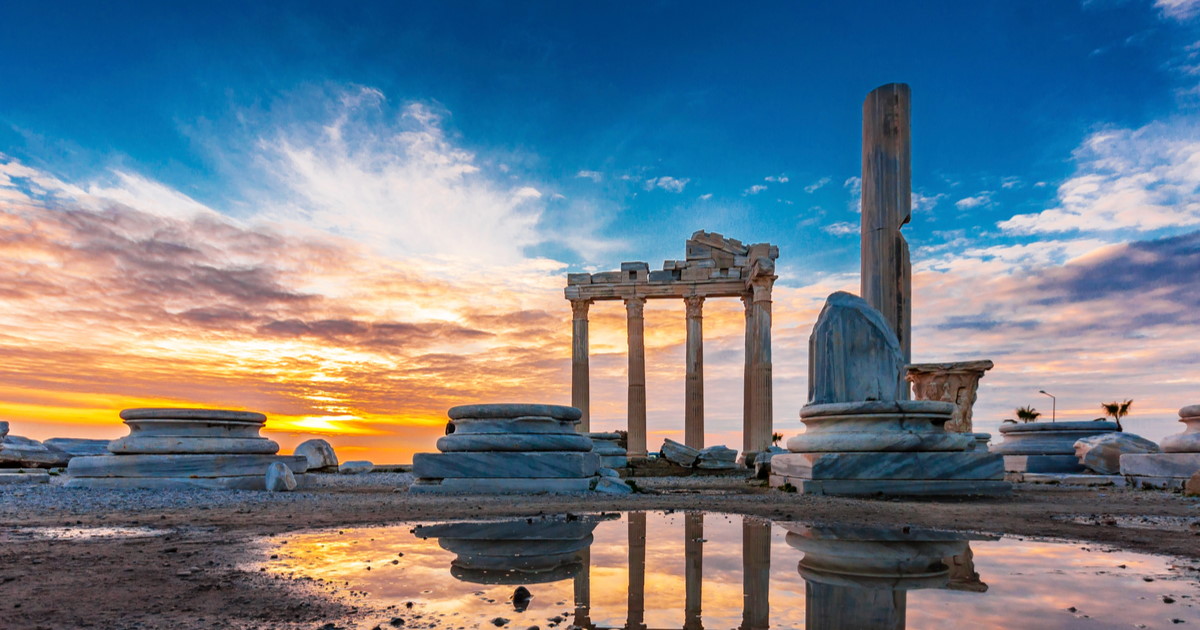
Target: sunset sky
<point x="353" y="218"/>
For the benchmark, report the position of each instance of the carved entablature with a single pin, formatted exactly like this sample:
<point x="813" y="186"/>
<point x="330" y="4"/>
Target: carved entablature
<point x="714" y="266"/>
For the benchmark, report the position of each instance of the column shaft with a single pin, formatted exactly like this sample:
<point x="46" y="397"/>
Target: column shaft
<point x="693" y="553"/>
<point x="747" y="399"/>
<point x="580" y="371"/>
<point x="761" y="397"/>
<point x="693" y="405"/>
<point x="583" y="591"/>
<point x="636" y="617"/>
<point x="756" y="574"/>
<point x="635" y="308"/>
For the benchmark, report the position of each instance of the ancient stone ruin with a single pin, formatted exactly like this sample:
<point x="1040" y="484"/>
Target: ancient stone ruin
<point x="1046" y="447"/>
<point x="861" y="436"/>
<point x="956" y="382"/>
<point x="1178" y="462"/>
<point x="190" y="448"/>
<point x="715" y="266"/>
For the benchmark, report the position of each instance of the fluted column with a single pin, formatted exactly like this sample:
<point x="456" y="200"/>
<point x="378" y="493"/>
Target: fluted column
<point x="693" y="554"/>
<point x="635" y="620"/>
<point x="693" y="397"/>
<point x="634" y="309"/>
<point x="747" y="303"/>
<point x="756" y="574"/>
<point x="581" y="395"/>
<point x="583" y="591"/>
<point x="758" y="437"/>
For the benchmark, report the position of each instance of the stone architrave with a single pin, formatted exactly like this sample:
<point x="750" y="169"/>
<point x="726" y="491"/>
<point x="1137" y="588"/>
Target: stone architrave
<point x="580" y="370"/>
<point x="886" y="207"/>
<point x="957" y="383"/>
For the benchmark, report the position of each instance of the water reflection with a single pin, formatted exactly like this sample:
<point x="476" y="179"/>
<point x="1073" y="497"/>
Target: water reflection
<point x="645" y="571"/>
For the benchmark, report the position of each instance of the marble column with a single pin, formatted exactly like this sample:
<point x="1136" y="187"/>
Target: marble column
<point x="886" y="206"/>
<point x="957" y="383"/>
<point x="758" y="438"/>
<point x="636" y="617"/>
<point x="634" y="309"/>
<point x="583" y="591"/>
<point x="747" y="303"/>
<point x="756" y="574"/>
<point x="693" y="554"/>
<point x="693" y="397"/>
<point x="580" y="372"/>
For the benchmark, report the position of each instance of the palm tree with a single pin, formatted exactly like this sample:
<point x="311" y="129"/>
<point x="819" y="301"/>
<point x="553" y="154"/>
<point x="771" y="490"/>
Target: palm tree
<point x="1116" y="411"/>
<point x="775" y="437"/>
<point x="1027" y="413"/>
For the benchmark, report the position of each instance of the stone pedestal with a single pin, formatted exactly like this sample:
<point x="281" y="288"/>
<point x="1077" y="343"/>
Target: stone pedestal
<point x="608" y="447"/>
<point x="185" y="448"/>
<point x="1045" y="447"/>
<point x="509" y="449"/>
<point x="521" y="551"/>
<point x="956" y="383"/>
<point x="1179" y="460"/>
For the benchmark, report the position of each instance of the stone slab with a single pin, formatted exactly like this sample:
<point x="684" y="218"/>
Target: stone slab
<point x="523" y="425"/>
<point x="1043" y="464"/>
<point x="895" y="488"/>
<point x="163" y="445"/>
<point x="507" y="442"/>
<point x="501" y="486"/>
<point x="78" y="447"/>
<point x="181" y="465"/>
<point x="1146" y="482"/>
<point x="1091" y="481"/>
<point x="203" y="428"/>
<point x="893" y="466"/>
<point x="614" y="461"/>
<point x="21" y="476"/>
<point x="22" y="452"/>
<point x="514" y="410"/>
<point x="505" y="465"/>
<point x="248" y="482"/>
<point x="187" y="414"/>
<point x="1182" y="465"/>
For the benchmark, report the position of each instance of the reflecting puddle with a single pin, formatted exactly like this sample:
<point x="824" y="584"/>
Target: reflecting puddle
<point x="692" y="571"/>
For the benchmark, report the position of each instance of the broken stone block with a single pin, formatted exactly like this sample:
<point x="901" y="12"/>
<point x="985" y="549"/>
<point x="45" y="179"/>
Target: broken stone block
<point x="669" y="265"/>
<point x="677" y="453"/>
<point x="609" y="277"/>
<point x="661" y="277"/>
<point x="741" y="261"/>
<point x="692" y="274"/>
<point x="578" y="279"/>
<point x="635" y="266"/>
<point x="696" y="251"/>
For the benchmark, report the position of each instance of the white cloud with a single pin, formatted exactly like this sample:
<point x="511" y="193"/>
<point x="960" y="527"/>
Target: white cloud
<point x="706" y="196"/>
<point x="921" y="203"/>
<point x="755" y="189"/>
<point x="776" y="179"/>
<point x="982" y="199"/>
<point x="1010" y="182"/>
<point x="595" y="176"/>
<point x="669" y="184"/>
<point x="1178" y="9"/>
<point x="817" y="185"/>
<point x="1126" y="179"/>
<point x="841" y="228"/>
<point x="853" y="184"/>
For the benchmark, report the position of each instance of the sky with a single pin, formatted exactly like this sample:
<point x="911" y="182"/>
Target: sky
<point x="353" y="218"/>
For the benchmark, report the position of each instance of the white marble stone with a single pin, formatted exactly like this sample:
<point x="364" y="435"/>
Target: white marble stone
<point x="1102" y="453"/>
<point x="853" y="354"/>
<point x="279" y="478"/>
<point x="1062" y="479"/>
<point x="233" y="465"/>
<point x="319" y="453"/>
<point x="523" y="425"/>
<point x="1189" y="440"/>
<point x="898" y="425"/>
<point x="509" y="465"/>
<point x="513" y="410"/>
<point x="164" y="445"/>
<point x="1179" y="465"/>
<point x="608" y="485"/>
<point x="356" y="467"/>
<point x="76" y="447"/>
<point x="491" y="442"/>
<point x="717" y="458"/>
<point x="22" y="452"/>
<point x="677" y="453"/>
<point x="896" y="487"/>
<point x="145" y="413"/>
<point x="254" y="482"/>
<point x="23" y="476"/>
<point x="1047" y="438"/>
<point x="967" y="465"/>
<point x="1057" y="464"/>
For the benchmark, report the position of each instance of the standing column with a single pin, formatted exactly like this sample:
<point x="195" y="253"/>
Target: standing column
<point x="761" y="401"/>
<point x="693" y="553"/>
<point x="747" y="303"/>
<point x="581" y="395"/>
<point x="693" y="397"/>
<point x="634" y="308"/>
<point x="636" y="617"/>
<point x="756" y="574"/>
<point x="886" y="206"/>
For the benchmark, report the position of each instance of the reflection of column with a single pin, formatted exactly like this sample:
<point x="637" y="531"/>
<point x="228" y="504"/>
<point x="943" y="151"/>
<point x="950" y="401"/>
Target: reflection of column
<point x="693" y="553"/>
<point x="583" y="590"/>
<point x="839" y="607"/>
<point x="637" y="571"/>
<point x="747" y="302"/>
<point x="693" y="418"/>
<point x="580" y="377"/>
<point x="634" y="308"/>
<point x="756" y="574"/>
<point x="761" y="405"/>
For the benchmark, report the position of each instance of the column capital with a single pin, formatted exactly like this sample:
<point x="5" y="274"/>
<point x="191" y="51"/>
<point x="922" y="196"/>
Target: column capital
<point x="695" y="306"/>
<point x="635" y="306"/>
<point x="761" y="287"/>
<point x="747" y="302"/>
<point x="579" y="308"/>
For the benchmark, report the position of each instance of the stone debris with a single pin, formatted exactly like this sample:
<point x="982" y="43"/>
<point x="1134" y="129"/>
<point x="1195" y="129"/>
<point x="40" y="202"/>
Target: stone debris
<point x="1178" y="462"/>
<point x="762" y="463"/>
<point x="356" y="467"/>
<point x="78" y="447"/>
<point x="187" y="448"/>
<point x="1102" y="453"/>
<point x="677" y="453"/>
<point x="717" y="458"/>
<point x="22" y="476"/>
<point x="608" y="447"/>
<point x="1046" y="447"/>
<point x="319" y="453"/>
<point x="280" y="478"/>
<point x="609" y="485"/>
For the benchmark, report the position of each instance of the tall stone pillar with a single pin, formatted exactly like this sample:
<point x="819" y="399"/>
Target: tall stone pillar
<point x="635" y="309"/>
<point x="583" y="591"/>
<point x="886" y="206"/>
<point x="758" y="437"/>
<point x="693" y="554"/>
<point x="748" y="304"/>
<point x="636" y="618"/>
<point x="756" y="574"/>
<point x="693" y="404"/>
<point x="580" y="372"/>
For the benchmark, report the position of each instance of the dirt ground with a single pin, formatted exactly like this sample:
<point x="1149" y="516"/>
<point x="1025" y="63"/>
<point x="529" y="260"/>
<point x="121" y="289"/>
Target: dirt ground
<point x="201" y="575"/>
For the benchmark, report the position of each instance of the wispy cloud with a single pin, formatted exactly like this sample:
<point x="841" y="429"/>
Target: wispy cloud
<point x="777" y="179"/>
<point x="755" y="189"/>
<point x="669" y="184"/>
<point x="982" y="199"/>
<point x="841" y="228"/>
<point x="595" y="176"/>
<point x="817" y="185"/>
<point x="1180" y="10"/>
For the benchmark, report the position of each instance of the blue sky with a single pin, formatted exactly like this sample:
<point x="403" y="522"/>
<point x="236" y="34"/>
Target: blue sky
<point x="587" y="134"/>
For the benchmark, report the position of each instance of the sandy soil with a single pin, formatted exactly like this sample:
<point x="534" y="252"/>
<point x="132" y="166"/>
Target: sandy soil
<point x="201" y="575"/>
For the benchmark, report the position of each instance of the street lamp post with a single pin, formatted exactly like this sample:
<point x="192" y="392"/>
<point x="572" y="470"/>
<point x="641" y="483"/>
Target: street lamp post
<point x="1053" y="404"/>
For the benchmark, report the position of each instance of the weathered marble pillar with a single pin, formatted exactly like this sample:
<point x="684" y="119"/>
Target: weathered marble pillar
<point x="748" y="304"/>
<point x="761" y="401"/>
<point x="583" y="591"/>
<point x="693" y="397"/>
<point x="886" y="206"/>
<point x="756" y="574"/>
<point x="580" y="372"/>
<point x="693" y="554"/>
<point x="957" y="383"/>
<point x="635" y="308"/>
<point x="636" y="617"/>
